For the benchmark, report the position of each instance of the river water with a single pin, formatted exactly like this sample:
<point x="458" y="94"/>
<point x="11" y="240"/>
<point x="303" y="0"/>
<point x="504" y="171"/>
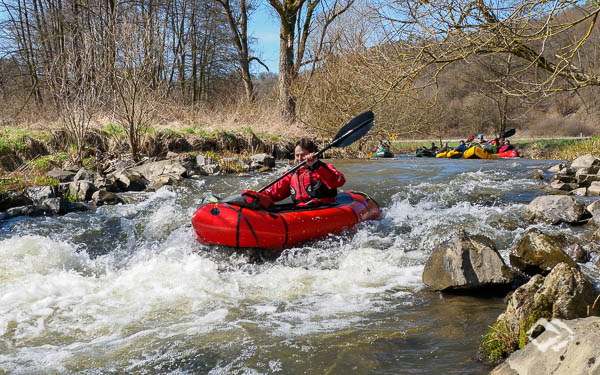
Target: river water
<point x="127" y="289"/>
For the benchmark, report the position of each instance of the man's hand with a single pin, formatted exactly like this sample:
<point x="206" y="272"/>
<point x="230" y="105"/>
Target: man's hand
<point x="311" y="159"/>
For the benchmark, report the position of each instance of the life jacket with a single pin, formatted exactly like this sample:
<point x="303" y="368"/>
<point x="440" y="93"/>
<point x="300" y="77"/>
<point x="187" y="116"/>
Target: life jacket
<point x="311" y="186"/>
<point x="506" y="148"/>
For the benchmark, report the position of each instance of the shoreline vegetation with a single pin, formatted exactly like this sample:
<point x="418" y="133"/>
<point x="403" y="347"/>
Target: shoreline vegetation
<point x="26" y="156"/>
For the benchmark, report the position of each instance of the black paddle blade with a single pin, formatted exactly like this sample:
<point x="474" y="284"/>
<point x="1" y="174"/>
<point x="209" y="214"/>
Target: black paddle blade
<point x="509" y="133"/>
<point x="354" y="130"/>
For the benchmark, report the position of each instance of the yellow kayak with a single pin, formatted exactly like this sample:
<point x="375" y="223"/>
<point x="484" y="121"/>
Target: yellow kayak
<point x="452" y="154"/>
<point x="477" y="152"/>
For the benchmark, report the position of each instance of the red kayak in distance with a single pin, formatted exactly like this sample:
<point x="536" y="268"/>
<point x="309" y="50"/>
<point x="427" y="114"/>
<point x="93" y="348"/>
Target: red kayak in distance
<point x="509" y="154"/>
<point x="281" y="226"/>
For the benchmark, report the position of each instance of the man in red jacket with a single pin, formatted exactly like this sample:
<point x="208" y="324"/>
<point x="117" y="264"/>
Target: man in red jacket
<point x="313" y="184"/>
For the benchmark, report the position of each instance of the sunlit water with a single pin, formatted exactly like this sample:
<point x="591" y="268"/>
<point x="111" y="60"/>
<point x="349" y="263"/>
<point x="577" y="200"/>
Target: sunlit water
<point x="127" y="289"/>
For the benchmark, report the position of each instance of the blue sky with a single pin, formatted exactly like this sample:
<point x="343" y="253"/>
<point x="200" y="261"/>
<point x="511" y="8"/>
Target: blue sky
<point x="264" y="26"/>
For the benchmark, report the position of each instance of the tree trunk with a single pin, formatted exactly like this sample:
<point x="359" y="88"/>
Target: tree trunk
<point x="287" y="102"/>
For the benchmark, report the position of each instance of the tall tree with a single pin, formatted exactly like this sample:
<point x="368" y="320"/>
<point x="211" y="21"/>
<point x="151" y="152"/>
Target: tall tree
<point x="292" y="46"/>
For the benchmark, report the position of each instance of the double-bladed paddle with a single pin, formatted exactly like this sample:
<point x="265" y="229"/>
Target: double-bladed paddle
<point x="354" y="130"/>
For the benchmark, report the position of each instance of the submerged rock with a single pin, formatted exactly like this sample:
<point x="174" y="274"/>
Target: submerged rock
<point x="538" y="252"/>
<point x="556" y="209"/>
<point x="467" y="263"/>
<point x="564" y="294"/>
<point x="11" y="200"/>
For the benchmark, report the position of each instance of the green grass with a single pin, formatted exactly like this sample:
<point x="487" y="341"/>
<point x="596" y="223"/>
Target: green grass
<point x="19" y="183"/>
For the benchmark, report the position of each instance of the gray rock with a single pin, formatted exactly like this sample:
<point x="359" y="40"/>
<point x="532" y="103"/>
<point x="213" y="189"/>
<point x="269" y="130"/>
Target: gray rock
<point x="103" y="197"/>
<point x="40" y="193"/>
<point x="84" y="175"/>
<point x="56" y="206"/>
<point x="263" y="160"/>
<point x="172" y="155"/>
<point x="3" y="215"/>
<point x="202" y="160"/>
<point x="129" y="180"/>
<point x="81" y="190"/>
<point x="565" y="347"/>
<point x="12" y="200"/>
<point x="61" y="175"/>
<point x="594" y="209"/>
<point x="152" y="171"/>
<point x="585" y="161"/>
<point x="210" y="169"/>
<point x="556" y="209"/>
<point x="590" y="170"/>
<point x="587" y="179"/>
<point x="538" y="252"/>
<point x="581" y="192"/>
<point x="556" y="168"/>
<point x="564" y="294"/>
<point x="558" y="185"/>
<point x="465" y="263"/>
<point x="594" y="188"/>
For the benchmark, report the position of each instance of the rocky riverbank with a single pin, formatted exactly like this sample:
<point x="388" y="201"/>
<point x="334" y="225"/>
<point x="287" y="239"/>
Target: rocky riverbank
<point x="552" y="305"/>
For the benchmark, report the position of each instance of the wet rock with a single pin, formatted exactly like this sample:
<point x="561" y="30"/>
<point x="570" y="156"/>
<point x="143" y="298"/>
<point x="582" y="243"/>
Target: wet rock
<point x="556" y="184"/>
<point x="128" y="180"/>
<point x="566" y="178"/>
<point x="594" y="188"/>
<point x="585" y="161"/>
<point x="594" y="209"/>
<point x="587" y="179"/>
<point x="537" y="252"/>
<point x="467" y="263"/>
<point x="564" y="294"/>
<point x="565" y="347"/>
<point x="556" y="209"/>
<point x="260" y="160"/>
<point x="103" y="197"/>
<point x="3" y="215"/>
<point x="538" y="174"/>
<point x="10" y="200"/>
<point x="61" y="175"/>
<point x="580" y="192"/>
<point x="40" y="193"/>
<point x="556" y="168"/>
<point x="56" y="206"/>
<point x="81" y="190"/>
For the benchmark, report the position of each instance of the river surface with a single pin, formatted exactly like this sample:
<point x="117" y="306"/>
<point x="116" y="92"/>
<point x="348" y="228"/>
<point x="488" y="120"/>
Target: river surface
<point x="127" y="289"/>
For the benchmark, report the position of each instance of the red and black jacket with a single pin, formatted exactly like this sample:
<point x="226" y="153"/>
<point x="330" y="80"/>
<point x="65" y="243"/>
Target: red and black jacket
<point x="310" y="186"/>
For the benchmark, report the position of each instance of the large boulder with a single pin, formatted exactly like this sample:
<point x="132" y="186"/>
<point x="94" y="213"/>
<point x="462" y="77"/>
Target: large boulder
<point x="10" y="200"/>
<point x="103" y="197"/>
<point x="128" y="180"/>
<point x="40" y="193"/>
<point x="538" y="252"/>
<point x="585" y="161"/>
<point x="155" y="170"/>
<point x="564" y="294"/>
<point x="556" y="209"/>
<point x="594" y="188"/>
<point x="81" y="190"/>
<point x="467" y="263"/>
<point x="565" y="347"/>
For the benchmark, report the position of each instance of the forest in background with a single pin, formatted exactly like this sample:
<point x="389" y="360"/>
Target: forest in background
<point x="427" y="69"/>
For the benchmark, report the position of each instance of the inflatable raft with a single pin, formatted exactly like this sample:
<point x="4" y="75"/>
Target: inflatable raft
<point x="509" y="154"/>
<point x="384" y="154"/>
<point x="477" y="152"/>
<point x="452" y="154"/>
<point x="281" y="226"/>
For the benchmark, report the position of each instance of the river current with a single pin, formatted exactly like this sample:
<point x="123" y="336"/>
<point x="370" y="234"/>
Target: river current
<point x="127" y="289"/>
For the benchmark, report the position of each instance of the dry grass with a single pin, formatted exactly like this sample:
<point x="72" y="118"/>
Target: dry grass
<point x="573" y="150"/>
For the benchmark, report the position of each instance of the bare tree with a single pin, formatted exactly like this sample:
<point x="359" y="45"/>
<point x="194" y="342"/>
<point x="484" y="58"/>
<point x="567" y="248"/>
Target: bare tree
<point x="297" y="25"/>
<point x="135" y="91"/>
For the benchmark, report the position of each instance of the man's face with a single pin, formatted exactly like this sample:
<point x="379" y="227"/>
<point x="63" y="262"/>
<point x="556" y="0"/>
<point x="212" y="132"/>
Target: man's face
<point x="300" y="154"/>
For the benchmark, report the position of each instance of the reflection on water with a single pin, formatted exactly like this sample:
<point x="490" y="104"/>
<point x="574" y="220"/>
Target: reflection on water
<point x="127" y="288"/>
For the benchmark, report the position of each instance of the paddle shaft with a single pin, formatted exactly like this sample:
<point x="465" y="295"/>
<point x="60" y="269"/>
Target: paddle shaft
<point x="364" y="120"/>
